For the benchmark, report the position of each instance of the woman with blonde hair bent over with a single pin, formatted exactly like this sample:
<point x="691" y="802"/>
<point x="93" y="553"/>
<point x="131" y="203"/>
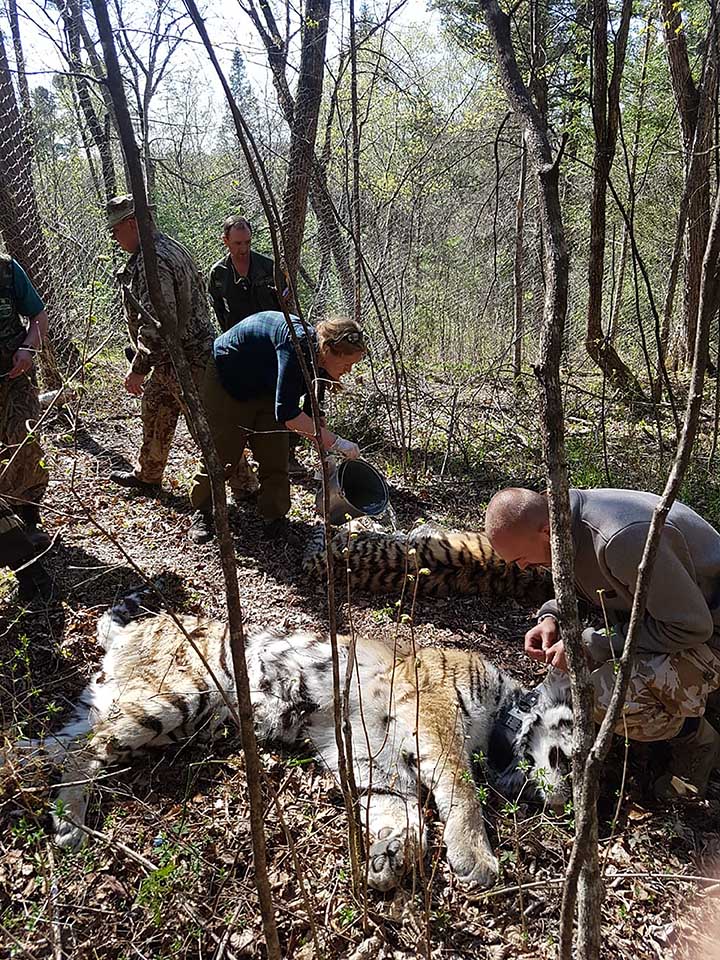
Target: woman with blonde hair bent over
<point x="253" y="393"/>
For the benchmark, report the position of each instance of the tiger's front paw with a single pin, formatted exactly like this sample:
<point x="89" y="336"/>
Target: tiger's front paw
<point x="68" y="819"/>
<point x="388" y="863"/>
<point x="475" y="868"/>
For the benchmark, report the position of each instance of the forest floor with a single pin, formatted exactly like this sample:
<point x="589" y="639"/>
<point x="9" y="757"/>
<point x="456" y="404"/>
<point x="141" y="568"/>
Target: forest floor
<point x="169" y="874"/>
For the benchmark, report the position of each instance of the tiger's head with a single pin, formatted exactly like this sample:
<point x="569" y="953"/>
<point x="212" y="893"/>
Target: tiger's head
<point x="530" y="748"/>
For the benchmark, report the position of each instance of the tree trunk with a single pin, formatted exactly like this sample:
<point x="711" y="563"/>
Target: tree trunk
<point x="518" y="285"/>
<point x="98" y="131"/>
<point x="696" y="139"/>
<point x="606" y="115"/>
<point x="548" y="372"/>
<point x="320" y="198"/>
<point x="304" y="128"/>
<point x="227" y="554"/>
<point x="20" y="223"/>
<point x="620" y="281"/>
<point x="20" y="64"/>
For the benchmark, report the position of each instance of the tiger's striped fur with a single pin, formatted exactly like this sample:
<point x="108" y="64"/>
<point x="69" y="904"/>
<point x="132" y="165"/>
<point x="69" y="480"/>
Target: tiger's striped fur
<point x="456" y="563"/>
<point x="153" y="690"/>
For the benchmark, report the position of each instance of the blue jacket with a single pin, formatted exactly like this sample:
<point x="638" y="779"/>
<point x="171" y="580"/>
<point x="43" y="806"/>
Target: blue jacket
<point x="257" y="358"/>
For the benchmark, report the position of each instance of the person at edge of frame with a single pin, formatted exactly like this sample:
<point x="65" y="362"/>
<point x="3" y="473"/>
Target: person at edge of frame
<point x="23" y="474"/>
<point x="677" y="659"/>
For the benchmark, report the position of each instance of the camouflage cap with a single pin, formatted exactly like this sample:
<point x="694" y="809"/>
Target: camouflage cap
<point x="118" y="209"/>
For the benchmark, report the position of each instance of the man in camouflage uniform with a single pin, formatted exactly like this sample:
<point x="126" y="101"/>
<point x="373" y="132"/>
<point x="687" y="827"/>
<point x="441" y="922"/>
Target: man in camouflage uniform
<point x="151" y="374"/>
<point x="677" y="662"/>
<point x="23" y="475"/>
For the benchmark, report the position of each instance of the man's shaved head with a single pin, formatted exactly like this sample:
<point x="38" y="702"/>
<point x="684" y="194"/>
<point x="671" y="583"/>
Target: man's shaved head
<point x="515" y="506"/>
<point x="517" y="523"/>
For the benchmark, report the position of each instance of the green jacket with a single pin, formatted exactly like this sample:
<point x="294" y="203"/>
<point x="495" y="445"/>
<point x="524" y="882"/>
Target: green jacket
<point x="235" y="298"/>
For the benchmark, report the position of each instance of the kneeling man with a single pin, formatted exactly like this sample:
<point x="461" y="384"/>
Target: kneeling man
<point x="677" y="661"/>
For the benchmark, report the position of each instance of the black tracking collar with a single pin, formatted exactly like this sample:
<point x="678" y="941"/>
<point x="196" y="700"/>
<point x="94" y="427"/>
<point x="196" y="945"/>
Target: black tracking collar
<point x="507" y="726"/>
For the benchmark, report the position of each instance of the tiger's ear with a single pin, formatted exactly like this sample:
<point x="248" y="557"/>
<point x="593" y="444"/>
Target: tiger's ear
<point x="555" y="688"/>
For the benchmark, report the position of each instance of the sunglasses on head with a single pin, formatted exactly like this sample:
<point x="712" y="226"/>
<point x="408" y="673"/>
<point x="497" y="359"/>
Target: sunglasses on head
<point x="355" y="336"/>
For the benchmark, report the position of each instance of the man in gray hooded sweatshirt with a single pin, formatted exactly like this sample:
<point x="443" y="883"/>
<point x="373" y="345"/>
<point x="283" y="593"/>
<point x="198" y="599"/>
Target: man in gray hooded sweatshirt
<point x="677" y="662"/>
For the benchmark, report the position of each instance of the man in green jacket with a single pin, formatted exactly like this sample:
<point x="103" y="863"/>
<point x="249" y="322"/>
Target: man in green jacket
<point x="677" y="662"/>
<point x="243" y="284"/>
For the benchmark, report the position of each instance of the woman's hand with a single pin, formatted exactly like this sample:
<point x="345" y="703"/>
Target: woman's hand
<point x="346" y="448"/>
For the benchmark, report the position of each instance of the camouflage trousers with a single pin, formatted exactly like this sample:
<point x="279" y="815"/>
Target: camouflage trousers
<point x="162" y="404"/>
<point x="664" y="690"/>
<point x="23" y="475"/>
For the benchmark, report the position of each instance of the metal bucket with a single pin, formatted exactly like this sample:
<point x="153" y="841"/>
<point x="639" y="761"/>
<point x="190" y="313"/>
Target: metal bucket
<point x="356" y="489"/>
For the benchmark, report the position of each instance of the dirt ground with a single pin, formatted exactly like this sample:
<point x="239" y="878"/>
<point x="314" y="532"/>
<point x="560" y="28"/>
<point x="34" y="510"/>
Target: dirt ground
<point x="170" y="873"/>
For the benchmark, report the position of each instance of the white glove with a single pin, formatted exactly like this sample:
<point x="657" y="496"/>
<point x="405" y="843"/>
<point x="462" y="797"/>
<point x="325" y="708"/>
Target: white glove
<point x="346" y="448"/>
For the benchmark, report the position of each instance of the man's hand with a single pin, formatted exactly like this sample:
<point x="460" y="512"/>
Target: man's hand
<point x="134" y="383"/>
<point x="23" y="360"/>
<point x="555" y="656"/>
<point x="541" y="638"/>
<point x="543" y="643"/>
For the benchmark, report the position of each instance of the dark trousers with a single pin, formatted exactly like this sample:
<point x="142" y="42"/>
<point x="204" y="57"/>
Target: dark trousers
<point x="235" y="423"/>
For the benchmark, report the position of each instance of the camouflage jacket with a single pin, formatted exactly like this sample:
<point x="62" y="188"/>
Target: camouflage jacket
<point x="184" y="294"/>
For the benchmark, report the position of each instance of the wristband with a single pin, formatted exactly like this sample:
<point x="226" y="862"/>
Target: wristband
<point x="544" y="616"/>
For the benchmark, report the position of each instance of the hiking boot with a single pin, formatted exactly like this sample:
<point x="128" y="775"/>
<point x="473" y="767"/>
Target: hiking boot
<point x="243" y="495"/>
<point x="278" y="530"/>
<point x="693" y="757"/>
<point x="17" y="550"/>
<point x="202" y="528"/>
<point x="29" y="513"/>
<point x="128" y="478"/>
<point x="35" y="583"/>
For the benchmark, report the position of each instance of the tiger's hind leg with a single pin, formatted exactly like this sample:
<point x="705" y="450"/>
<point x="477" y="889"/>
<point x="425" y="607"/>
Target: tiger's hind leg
<point x="400" y="838"/>
<point x="120" y="733"/>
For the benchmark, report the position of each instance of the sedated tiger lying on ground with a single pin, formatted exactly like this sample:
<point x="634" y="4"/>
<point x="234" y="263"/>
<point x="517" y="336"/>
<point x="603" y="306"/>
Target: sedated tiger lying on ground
<point x="460" y="562"/>
<point x="153" y="690"/>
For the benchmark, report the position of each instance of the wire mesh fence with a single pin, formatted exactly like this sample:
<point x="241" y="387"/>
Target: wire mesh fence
<point x="439" y="165"/>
